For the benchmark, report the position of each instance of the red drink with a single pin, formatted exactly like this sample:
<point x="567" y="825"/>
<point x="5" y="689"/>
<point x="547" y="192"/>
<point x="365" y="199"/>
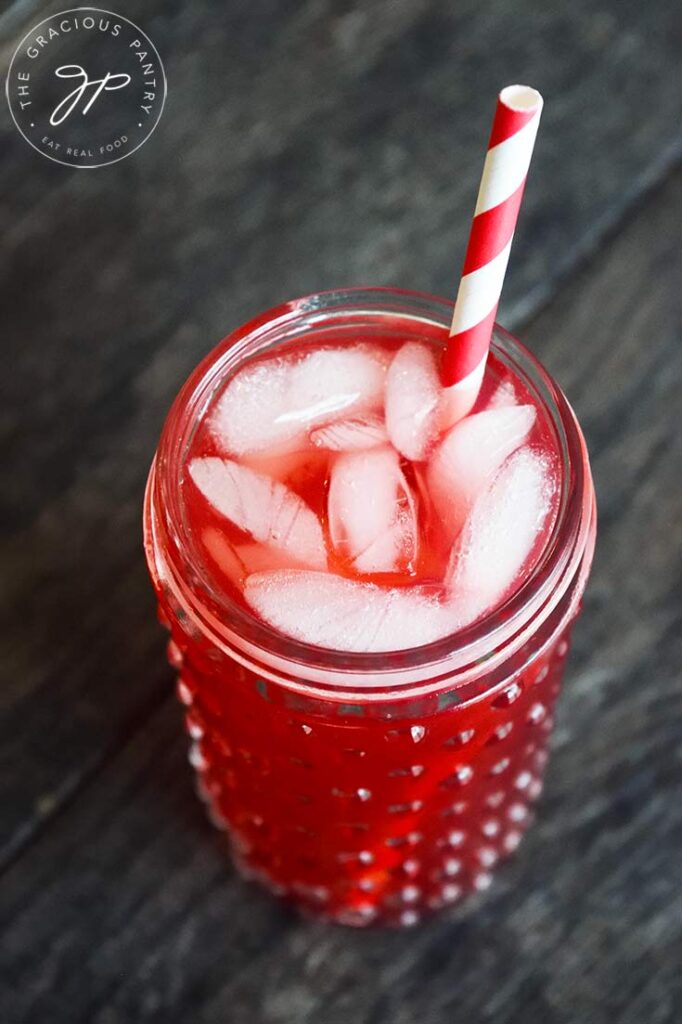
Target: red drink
<point x="369" y="606"/>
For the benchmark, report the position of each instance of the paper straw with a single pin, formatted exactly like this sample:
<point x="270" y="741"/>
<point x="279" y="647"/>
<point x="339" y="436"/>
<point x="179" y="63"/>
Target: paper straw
<point x="499" y="197"/>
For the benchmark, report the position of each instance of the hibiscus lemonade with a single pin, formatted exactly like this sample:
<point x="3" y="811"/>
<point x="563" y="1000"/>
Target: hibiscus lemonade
<point x="369" y="600"/>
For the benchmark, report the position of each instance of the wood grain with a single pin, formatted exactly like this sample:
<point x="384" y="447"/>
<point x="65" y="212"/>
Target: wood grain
<point x="302" y="146"/>
<point x="126" y="909"/>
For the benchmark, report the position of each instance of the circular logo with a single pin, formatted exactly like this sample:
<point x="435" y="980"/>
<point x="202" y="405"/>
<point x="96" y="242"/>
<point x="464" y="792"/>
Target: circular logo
<point x="86" y="87"/>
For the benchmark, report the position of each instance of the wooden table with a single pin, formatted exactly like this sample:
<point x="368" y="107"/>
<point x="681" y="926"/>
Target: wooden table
<point x="306" y="145"/>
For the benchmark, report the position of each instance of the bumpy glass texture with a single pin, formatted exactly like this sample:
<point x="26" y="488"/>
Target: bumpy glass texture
<point x="365" y="812"/>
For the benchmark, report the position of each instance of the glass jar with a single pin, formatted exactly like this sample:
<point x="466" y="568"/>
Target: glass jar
<point x="368" y="787"/>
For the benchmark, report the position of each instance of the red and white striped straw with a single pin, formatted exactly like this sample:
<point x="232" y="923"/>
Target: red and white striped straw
<point x="499" y="197"/>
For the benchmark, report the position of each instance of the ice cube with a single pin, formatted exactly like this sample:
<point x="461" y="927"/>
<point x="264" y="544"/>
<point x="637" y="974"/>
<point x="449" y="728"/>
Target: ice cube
<point x="434" y="545"/>
<point x="351" y="435"/>
<point x="371" y="511"/>
<point x="224" y="555"/>
<point x="503" y="396"/>
<point x="237" y="561"/>
<point x="413" y="395"/>
<point x="282" y="466"/>
<point x="468" y="457"/>
<point x="347" y="615"/>
<point x="298" y="470"/>
<point x="499" y="535"/>
<point x="273" y="403"/>
<point x="262" y="507"/>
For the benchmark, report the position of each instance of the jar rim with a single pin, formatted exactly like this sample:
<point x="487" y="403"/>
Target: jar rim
<point x="312" y="669"/>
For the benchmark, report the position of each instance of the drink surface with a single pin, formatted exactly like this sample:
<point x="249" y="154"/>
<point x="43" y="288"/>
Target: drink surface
<point x="327" y="492"/>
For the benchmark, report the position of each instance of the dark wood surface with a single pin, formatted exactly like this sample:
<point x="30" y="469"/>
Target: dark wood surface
<point x="304" y="146"/>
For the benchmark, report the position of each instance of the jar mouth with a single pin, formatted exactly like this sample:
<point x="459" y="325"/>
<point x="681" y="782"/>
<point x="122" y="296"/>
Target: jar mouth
<point x="241" y="635"/>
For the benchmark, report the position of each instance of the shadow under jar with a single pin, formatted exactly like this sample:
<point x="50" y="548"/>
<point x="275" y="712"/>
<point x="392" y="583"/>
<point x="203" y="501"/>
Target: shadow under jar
<point x="368" y="788"/>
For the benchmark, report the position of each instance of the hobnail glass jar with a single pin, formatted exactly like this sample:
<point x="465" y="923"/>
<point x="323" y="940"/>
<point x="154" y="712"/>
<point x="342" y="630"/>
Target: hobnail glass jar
<point x="368" y="787"/>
